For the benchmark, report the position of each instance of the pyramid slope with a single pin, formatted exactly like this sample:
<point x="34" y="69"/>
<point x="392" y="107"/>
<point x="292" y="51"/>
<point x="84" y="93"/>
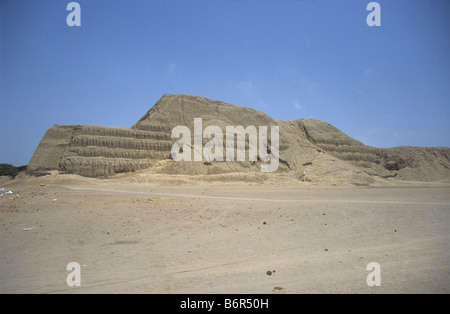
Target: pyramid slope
<point x="309" y="149"/>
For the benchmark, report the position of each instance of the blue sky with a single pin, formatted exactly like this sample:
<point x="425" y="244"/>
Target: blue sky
<point x="385" y="86"/>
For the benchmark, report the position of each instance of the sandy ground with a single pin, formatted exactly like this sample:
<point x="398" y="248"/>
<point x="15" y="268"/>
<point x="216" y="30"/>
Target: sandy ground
<point x="223" y="238"/>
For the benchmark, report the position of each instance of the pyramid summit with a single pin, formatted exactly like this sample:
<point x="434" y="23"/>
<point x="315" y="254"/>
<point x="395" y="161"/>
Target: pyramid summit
<point x="309" y="149"/>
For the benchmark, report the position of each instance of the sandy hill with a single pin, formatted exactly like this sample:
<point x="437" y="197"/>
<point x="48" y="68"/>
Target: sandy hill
<point x="310" y="150"/>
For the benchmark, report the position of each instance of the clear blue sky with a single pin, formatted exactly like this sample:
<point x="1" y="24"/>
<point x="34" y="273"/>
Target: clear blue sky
<point x="385" y="86"/>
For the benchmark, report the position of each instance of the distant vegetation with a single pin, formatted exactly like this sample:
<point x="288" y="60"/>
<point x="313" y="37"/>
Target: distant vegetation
<point x="10" y="170"/>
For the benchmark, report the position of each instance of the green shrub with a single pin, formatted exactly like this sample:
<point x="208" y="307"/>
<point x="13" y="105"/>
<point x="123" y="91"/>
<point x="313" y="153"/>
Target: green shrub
<point x="22" y="168"/>
<point x="8" y="170"/>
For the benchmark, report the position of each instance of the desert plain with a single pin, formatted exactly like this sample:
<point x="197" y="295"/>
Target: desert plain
<point x="173" y="234"/>
<point x="115" y="202"/>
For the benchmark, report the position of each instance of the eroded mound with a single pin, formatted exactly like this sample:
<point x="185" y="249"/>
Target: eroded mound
<point x="310" y="150"/>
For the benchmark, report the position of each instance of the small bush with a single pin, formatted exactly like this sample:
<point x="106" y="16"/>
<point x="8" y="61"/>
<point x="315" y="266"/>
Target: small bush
<point x="8" y="170"/>
<point x="22" y="168"/>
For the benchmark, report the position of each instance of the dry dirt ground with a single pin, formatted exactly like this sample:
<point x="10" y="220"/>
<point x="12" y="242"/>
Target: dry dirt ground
<point x="223" y="238"/>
